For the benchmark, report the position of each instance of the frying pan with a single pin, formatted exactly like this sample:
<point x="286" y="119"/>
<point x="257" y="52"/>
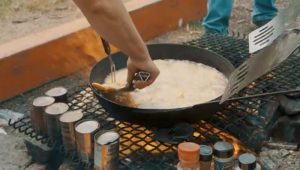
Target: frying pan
<point x="158" y="116"/>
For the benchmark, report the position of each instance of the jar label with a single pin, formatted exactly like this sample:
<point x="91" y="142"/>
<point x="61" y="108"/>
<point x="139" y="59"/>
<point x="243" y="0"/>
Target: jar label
<point x="224" y="165"/>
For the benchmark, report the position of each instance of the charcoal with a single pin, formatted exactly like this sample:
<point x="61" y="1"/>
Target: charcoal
<point x="183" y="130"/>
<point x="254" y="120"/>
<point x="40" y="152"/>
<point x="269" y="111"/>
<point x="162" y="135"/>
<point x="56" y="159"/>
<point x="256" y="139"/>
<point x="280" y="145"/>
<point x="283" y="153"/>
<point x="68" y="165"/>
<point x="289" y="105"/>
<point x="275" y="156"/>
<point x="179" y="133"/>
<point x="267" y="163"/>
<point x="43" y="154"/>
<point x="287" y="129"/>
<point x="279" y="159"/>
<point x="294" y="95"/>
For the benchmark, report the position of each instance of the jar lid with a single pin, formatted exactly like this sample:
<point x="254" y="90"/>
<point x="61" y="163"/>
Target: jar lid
<point x="188" y="151"/>
<point x="205" y="153"/>
<point x="223" y="149"/>
<point x="247" y="161"/>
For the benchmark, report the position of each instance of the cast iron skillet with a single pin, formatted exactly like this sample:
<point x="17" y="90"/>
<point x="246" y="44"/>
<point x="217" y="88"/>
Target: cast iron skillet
<point x="153" y="116"/>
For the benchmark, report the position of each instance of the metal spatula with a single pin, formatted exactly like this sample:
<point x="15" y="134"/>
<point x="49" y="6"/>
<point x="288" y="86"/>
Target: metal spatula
<point x="105" y="88"/>
<point x="262" y="62"/>
<point x="265" y="35"/>
<point x="284" y="92"/>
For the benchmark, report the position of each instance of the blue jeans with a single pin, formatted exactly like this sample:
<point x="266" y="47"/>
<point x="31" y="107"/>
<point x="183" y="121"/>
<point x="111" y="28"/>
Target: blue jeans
<point x="219" y="11"/>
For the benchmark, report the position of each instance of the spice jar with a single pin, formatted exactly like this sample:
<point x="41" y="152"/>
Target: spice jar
<point x="247" y="161"/>
<point x="223" y="156"/>
<point x="205" y="157"/>
<point x="188" y="154"/>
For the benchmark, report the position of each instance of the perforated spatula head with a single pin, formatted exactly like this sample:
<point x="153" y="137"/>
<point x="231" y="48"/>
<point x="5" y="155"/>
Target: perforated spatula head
<point x="265" y="35"/>
<point x="262" y="62"/>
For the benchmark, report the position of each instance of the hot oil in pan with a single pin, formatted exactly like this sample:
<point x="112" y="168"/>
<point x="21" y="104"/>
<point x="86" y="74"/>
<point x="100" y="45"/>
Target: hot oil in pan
<point x="121" y="97"/>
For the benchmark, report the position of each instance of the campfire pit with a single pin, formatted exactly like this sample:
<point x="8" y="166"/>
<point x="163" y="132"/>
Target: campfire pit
<point x="247" y="124"/>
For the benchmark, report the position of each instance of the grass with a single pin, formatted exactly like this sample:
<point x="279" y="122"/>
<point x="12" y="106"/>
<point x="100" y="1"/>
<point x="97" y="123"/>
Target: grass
<point x="10" y="7"/>
<point x="4" y="7"/>
<point x="38" y="5"/>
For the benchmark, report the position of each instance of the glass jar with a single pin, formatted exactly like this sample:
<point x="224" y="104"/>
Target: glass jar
<point x="247" y="161"/>
<point x="188" y="154"/>
<point x="223" y="156"/>
<point x="205" y="157"/>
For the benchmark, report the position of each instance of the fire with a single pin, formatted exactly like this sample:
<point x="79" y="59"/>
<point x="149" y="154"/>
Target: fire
<point x="138" y="138"/>
<point x="209" y="130"/>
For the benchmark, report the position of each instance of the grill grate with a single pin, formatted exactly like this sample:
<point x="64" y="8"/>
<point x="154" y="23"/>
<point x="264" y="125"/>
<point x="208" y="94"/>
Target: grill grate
<point x="285" y="77"/>
<point x="246" y="120"/>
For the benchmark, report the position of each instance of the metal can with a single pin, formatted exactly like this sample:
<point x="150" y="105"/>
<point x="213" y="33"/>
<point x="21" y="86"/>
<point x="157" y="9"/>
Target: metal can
<point x="67" y="125"/>
<point x="59" y="94"/>
<point x="106" y="153"/>
<point x="51" y="117"/>
<point x="37" y="113"/>
<point x="85" y="131"/>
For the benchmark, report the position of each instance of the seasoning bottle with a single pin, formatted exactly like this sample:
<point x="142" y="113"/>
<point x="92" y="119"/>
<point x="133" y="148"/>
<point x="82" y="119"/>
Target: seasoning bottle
<point x="247" y="161"/>
<point x="188" y="154"/>
<point x="205" y="157"/>
<point x="223" y="156"/>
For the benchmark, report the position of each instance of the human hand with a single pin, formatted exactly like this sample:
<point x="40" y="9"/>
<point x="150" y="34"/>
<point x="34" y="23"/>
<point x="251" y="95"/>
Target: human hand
<point x="146" y="65"/>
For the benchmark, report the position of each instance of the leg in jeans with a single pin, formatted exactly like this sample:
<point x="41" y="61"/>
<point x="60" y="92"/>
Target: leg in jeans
<point x="263" y="11"/>
<point x="218" y="15"/>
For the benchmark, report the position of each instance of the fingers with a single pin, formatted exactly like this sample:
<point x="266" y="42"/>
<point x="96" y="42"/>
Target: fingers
<point x="130" y="73"/>
<point x="147" y="66"/>
<point x="142" y="84"/>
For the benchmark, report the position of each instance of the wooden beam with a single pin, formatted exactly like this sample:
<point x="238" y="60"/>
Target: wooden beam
<point x="31" y="61"/>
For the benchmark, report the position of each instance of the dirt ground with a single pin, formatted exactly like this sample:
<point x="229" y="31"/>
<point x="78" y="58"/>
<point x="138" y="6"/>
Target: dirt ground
<point x="28" y="16"/>
<point x="22" y="17"/>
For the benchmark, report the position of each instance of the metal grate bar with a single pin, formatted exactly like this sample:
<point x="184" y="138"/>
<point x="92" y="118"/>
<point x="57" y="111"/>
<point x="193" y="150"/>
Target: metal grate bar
<point x="246" y="120"/>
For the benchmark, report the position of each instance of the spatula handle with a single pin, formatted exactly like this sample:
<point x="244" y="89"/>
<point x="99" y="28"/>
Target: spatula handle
<point x="297" y="90"/>
<point x="106" y="46"/>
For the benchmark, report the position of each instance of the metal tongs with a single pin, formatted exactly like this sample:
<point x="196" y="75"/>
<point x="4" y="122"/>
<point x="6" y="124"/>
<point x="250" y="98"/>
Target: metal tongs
<point x="107" y="50"/>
